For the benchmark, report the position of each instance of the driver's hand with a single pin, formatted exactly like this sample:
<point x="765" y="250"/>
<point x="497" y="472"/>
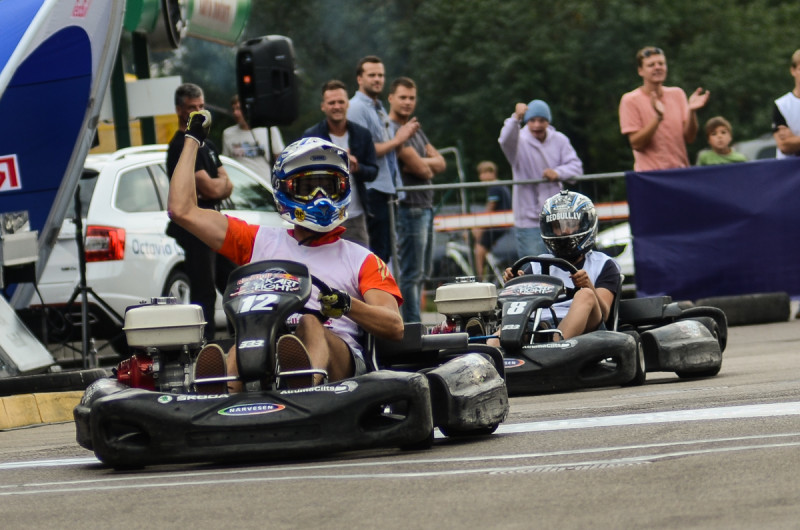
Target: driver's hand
<point x="581" y="279"/>
<point x="334" y="305"/>
<point x="508" y="274"/>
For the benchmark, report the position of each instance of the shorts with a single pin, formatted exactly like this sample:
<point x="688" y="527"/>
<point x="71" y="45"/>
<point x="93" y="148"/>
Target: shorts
<point x="359" y="365"/>
<point x="489" y="237"/>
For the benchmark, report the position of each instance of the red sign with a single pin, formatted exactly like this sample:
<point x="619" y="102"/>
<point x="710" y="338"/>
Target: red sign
<point x="81" y="8"/>
<point x="9" y="174"/>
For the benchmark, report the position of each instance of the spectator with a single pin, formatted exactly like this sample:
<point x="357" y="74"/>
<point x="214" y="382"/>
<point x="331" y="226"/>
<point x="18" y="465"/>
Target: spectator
<point x="419" y="162"/>
<point x="367" y="110"/>
<point x="498" y="198"/>
<point x="786" y="116"/>
<point x="569" y="229"/>
<point x="658" y="120"/>
<point x="720" y="135"/>
<point x="248" y="146"/>
<point x="357" y="141"/>
<point x="536" y="152"/>
<point x="207" y="271"/>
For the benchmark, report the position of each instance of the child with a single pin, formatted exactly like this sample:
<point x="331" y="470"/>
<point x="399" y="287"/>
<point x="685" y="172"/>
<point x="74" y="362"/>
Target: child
<point x="720" y="134"/>
<point x="498" y="198"/>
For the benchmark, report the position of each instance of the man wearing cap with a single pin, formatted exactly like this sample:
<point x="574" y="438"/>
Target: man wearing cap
<point x="538" y="153"/>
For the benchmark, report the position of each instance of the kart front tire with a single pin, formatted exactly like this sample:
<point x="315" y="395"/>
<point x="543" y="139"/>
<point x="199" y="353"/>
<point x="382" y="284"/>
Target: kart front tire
<point x="641" y="370"/>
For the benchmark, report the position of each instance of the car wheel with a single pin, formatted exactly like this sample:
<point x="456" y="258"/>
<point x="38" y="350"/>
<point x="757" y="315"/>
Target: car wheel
<point x="177" y="286"/>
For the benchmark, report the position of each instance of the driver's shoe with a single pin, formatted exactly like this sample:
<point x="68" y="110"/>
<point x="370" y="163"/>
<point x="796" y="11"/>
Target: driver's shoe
<point x="210" y="362"/>
<point x="293" y="356"/>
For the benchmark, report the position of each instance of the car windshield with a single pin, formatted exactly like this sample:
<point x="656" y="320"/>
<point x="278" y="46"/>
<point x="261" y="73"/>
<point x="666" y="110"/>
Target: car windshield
<point x="248" y="193"/>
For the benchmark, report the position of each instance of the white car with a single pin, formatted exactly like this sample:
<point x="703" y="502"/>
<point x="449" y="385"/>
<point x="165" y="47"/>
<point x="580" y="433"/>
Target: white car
<point x="129" y="258"/>
<point x="617" y="242"/>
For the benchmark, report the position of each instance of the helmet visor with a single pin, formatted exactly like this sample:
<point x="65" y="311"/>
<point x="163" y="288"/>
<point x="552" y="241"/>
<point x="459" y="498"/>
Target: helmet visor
<point x="308" y="186"/>
<point x="562" y="226"/>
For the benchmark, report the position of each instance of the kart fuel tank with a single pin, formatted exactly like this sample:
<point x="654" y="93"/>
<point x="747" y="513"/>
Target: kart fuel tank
<point x="466" y="298"/>
<point x="164" y="323"/>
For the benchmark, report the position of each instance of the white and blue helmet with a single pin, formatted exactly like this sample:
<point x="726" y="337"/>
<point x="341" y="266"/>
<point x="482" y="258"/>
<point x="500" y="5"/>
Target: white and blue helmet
<point x="311" y="182"/>
<point x="569" y="224"/>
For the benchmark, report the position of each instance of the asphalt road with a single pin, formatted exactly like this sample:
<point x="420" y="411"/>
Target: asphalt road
<point x="722" y="452"/>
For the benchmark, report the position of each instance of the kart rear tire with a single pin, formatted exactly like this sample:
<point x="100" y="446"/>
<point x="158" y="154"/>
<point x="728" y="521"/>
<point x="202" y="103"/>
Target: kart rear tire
<point x="458" y="433"/>
<point x="641" y="370"/>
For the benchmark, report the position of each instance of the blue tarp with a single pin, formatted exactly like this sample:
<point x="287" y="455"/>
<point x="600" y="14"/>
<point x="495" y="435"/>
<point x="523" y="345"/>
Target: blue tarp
<point x="716" y="230"/>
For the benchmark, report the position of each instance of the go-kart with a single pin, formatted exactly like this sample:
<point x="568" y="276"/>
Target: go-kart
<point x="154" y="411"/>
<point x="641" y="335"/>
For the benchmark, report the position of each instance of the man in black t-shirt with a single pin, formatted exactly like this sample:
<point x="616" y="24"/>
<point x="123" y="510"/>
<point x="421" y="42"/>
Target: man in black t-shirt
<point x="205" y="268"/>
<point x="498" y="199"/>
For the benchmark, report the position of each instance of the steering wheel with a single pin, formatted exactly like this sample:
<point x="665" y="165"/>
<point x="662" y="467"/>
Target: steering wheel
<point x="324" y="290"/>
<point x="545" y="262"/>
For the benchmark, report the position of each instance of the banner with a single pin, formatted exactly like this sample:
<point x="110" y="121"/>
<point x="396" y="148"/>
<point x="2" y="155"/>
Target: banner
<point x="716" y="230"/>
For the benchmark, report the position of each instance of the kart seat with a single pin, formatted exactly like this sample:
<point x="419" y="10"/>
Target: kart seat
<point x="612" y="322"/>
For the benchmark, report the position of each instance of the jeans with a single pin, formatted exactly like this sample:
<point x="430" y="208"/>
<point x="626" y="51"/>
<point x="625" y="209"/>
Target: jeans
<point x="378" y="225"/>
<point x="529" y="242"/>
<point x="415" y="254"/>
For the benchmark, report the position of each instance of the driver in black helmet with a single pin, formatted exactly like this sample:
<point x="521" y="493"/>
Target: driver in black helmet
<point x="569" y="227"/>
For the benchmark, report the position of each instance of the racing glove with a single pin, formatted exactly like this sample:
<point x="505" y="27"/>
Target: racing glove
<point x="198" y="126"/>
<point x="334" y="305"/>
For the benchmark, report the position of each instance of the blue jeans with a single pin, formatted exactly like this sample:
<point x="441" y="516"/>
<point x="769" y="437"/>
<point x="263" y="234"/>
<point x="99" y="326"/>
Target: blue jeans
<point x="415" y="254"/>
<point x="378" y="225"/>
<point x="529" y="242"/>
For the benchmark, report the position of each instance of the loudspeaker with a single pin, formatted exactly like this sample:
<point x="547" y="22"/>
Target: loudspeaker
<point x="266" y="81"/>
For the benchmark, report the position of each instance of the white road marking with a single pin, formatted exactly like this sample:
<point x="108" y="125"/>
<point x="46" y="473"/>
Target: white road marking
<point x="715" y="413"/>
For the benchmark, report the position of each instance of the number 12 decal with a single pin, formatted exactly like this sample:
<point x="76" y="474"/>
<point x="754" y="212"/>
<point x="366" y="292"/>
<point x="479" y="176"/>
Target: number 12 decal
<point x="258" y="302"/>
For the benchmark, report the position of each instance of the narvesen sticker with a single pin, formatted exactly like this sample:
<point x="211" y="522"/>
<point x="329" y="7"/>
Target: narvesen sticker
<point x="251" y="409"/>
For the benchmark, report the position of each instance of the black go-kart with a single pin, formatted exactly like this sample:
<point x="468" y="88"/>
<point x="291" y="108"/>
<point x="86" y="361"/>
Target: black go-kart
<point x="641" y="335"/>
<point x="155" y="411"/>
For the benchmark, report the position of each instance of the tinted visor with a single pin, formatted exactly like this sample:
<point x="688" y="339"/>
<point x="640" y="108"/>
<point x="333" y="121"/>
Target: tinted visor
<point x="307" y="186"/>
<point x="564" y="224"/>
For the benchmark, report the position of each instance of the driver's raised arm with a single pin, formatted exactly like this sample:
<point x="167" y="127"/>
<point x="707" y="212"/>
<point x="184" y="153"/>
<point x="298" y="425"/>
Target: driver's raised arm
<point x="207" y="225"/>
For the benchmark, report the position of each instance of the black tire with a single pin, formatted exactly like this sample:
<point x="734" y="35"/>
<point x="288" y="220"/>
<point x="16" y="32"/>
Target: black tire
<point x="458" y="433"/>
<point x="177" y="285"/>
<point x="758" y="308"/>
<point x="721" y="330"/>
<point x="641" y="369"/>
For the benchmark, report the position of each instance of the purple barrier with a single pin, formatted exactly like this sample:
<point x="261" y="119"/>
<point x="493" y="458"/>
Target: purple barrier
<point x="717" y="230"/>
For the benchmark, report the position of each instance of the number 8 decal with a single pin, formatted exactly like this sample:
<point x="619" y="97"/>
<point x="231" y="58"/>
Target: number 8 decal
<point x="516" y="308"/>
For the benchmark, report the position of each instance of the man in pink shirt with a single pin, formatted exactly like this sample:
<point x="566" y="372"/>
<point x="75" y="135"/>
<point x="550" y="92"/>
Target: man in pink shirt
<point x="658" y="120"/>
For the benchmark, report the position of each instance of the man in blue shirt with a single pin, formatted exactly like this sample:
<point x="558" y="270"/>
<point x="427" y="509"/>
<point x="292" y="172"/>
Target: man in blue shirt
<point x="367" y="110"/>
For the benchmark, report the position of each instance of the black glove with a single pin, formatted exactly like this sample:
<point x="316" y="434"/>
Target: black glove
<point x="334" y="305"/>
<point x="198" y="126"/>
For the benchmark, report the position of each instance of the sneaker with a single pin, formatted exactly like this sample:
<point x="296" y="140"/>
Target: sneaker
<point x="210" y="362"/>
<point x="293" y="356"/>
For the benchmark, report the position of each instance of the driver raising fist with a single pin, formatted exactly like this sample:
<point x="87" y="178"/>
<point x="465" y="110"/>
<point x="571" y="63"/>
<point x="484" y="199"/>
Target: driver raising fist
<point x="569" y="227"/>
<point x="311" y="184"/>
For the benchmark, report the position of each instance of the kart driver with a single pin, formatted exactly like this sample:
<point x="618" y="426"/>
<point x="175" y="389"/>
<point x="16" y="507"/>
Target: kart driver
<point x="311" y="184"/>
<point x="569" y="227"/>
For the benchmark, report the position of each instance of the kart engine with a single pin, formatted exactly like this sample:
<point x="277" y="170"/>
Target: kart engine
<point x="165" y="336"/>
<point x="464" y="300"/>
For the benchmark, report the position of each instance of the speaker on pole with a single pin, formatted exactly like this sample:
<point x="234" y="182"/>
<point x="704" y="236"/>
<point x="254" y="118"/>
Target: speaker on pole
<point x="266" y="81"/>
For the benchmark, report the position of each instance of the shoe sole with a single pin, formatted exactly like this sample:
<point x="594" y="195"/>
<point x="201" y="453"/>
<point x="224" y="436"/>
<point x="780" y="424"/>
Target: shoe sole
<point x="210" y="362"/>
<point x="293" y="355"/>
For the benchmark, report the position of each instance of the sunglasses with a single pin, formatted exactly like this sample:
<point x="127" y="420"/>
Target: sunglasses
<point x="306" y="186"/>
<point x="652" y="51"/>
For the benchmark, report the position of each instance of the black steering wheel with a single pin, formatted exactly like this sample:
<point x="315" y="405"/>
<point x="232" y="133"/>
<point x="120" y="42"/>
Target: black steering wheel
<point x="325" y="290"/>
<point x="545" y="262"/>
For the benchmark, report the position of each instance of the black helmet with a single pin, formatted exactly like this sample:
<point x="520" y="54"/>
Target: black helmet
<point x="569" y="224"/>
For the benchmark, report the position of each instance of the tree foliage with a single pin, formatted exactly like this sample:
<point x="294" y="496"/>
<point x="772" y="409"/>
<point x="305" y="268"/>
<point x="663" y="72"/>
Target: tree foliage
<point x="474" y="59"/>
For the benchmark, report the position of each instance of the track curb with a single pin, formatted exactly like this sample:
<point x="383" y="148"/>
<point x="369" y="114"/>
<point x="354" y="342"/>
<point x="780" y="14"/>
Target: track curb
<point x="24" y="410"/>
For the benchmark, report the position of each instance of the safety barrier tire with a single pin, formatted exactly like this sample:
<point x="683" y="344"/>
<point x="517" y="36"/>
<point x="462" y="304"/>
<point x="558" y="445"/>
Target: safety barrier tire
<point x="55" y="382"/>
<point x="747" y="309"/>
